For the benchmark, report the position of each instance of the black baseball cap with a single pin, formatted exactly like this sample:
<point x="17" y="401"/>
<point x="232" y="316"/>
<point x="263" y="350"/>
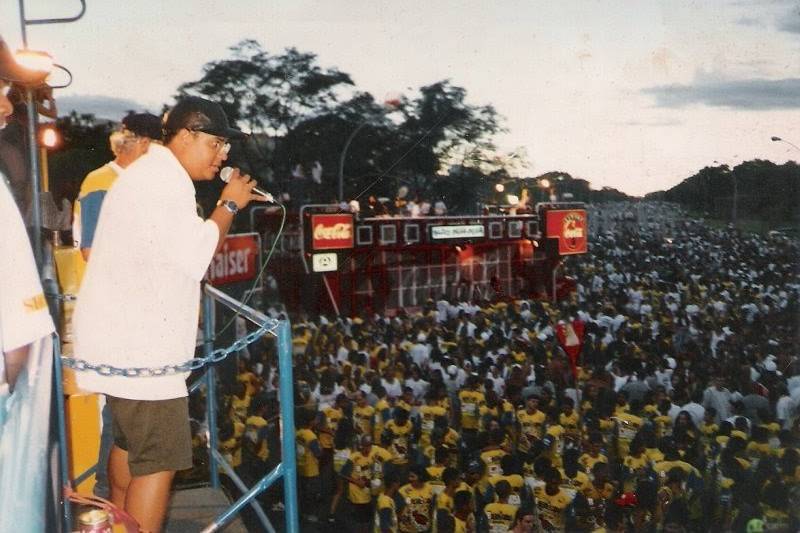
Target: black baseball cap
<point x="198" y="114"/>
<point x="12" y="71"/>
<point x="144" y="125"/>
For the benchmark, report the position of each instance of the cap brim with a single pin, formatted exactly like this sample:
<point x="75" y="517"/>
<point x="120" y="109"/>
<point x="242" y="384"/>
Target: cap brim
<point x="228" y="133"/>
<point x="12" y="71"/>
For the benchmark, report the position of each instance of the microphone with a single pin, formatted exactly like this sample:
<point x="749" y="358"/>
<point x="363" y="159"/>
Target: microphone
<point x="225" y="175"/>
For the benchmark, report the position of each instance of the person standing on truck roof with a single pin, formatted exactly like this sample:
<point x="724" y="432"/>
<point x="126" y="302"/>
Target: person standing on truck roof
<point x="138" y="305"/>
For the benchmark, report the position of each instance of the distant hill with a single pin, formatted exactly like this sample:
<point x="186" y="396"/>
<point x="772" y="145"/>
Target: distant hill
<point x="581" y="189"/>
<point x="755" y="190"/>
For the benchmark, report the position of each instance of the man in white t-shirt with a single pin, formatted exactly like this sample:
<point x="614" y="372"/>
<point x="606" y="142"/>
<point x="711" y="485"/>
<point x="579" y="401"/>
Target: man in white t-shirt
<point x="139" y="301"/>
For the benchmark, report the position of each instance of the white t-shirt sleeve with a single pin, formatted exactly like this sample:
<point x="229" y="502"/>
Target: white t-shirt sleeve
<point x="189" y="241"/>
<point x="24" y="315"/>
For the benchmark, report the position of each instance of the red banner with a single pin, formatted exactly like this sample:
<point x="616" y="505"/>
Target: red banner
<point x="570" y="227"/>
<point x="236" y="261"/>
<point x="331" y="232"/>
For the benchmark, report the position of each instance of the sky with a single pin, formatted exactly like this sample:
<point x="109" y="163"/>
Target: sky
<point x="632" y="94"/>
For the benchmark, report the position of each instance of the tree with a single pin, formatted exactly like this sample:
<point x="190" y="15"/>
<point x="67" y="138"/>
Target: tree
<point x="268" y="93"/>
<point x="438" y="122"/>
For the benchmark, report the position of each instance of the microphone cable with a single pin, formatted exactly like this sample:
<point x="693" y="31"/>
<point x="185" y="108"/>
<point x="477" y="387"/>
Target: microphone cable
<point x="249" y="292"/>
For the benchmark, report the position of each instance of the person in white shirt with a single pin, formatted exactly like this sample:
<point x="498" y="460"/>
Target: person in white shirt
<point x="25" y="325"/>
<point x="420" y="351"/>
<point x="24" y="316"/>
<point x="138" y="304"/>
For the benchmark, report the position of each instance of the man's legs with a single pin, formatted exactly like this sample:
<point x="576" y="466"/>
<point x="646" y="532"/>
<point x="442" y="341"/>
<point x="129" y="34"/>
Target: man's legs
<point x="157" y="437"/>
<point x="147" y="499"/>
<point x="119" y="475"/>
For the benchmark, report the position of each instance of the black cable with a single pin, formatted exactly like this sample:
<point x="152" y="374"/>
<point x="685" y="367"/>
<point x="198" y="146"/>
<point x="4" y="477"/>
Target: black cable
<point x="260" y="273"/>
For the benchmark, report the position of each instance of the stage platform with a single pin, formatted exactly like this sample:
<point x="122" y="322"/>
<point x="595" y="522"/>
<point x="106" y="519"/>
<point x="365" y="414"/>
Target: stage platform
<point x="192" y="510"/>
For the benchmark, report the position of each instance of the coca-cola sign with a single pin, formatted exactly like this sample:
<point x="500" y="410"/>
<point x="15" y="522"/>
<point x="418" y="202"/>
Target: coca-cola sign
<point x="331" y="232"/>
<point x="570" y="228"/>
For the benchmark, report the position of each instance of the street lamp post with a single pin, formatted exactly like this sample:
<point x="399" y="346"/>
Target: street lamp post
<point x="390" y="103"/>
<point x="778" y="139"/>
<point x="344" y="154"/>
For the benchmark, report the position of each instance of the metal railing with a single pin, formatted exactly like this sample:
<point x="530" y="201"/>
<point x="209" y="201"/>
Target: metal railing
<point x="287" y="469"/>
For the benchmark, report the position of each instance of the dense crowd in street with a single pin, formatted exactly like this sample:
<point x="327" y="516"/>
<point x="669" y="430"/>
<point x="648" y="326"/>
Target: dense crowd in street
<point x="661" y="396"/>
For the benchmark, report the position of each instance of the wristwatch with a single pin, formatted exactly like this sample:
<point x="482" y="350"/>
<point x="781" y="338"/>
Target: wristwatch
<point x="230" y="205"/>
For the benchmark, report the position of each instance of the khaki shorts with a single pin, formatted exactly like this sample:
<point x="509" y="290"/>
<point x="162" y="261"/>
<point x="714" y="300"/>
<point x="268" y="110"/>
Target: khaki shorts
<point x="155" y="434"/>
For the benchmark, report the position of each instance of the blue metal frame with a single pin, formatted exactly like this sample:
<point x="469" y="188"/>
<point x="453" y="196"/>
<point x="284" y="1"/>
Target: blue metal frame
<point x="211" y="391"/>
<point x="287" y="469"/>
<point x="63" y="456"/>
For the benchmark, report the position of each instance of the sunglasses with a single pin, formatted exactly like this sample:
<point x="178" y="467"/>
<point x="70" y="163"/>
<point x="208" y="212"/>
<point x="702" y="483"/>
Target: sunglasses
<point x="217" y="144"/>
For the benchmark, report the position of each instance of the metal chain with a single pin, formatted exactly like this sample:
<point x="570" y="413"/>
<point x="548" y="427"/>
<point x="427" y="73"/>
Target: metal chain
<point x="196" y="363"/>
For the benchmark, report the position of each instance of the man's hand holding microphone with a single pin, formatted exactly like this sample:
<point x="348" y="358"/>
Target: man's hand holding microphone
<point x="239" y="191"/>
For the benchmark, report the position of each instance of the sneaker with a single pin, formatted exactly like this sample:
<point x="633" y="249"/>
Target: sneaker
<point x="278" y="507"/>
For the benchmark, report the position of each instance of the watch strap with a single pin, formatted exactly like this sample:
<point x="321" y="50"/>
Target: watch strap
<point x="230" y="205"/>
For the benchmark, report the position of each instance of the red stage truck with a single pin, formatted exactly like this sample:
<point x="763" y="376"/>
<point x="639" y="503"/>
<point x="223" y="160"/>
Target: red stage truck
<point x="332" y="261"/>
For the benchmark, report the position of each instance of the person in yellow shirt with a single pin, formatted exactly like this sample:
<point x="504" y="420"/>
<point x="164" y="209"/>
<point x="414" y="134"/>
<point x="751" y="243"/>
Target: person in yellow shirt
<point x="250" y="380"/>
<point x="363" y="415"/>
<point x="342" y="450"/>
<point x="709" y="427"/>
<point x="495" y="410"/>
<point x="383" y="412"/>
<point x="628" y="425"/>
<point x="444" y="505"/>
<point x="552" y="501"/>
<point x="417" y="494"/>
<point x="240" y="402"/>
<point x="398" y="435"/>
<point x="428" y="416"/>
<point x="569" y="419"/>
<point x="328" y="422"/>
<point x="661" y="420"/>
<point x="388" y="505"/>
<point x="553" y="444"/>
<point x="572" y="478"/>
<point x="308" y="453"/>
<point x="463" y="516"/>
<point x="256" y="436"/>
<point x="230" y="442"/>
<point x="600" y="491"/>
<point x="512" y="474"/>
<point x="493" y="454"/>
<point x="531" y="424"/>
<point x="593" y="455"/>
<point x="436" y="470"/>
<point x="499" y="515"/>
<point x="358" y="472"/>
<point x="470" y="400"/>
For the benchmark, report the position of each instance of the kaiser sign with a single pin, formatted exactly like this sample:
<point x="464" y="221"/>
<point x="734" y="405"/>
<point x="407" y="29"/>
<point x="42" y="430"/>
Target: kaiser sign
<point x="236" y="261"/>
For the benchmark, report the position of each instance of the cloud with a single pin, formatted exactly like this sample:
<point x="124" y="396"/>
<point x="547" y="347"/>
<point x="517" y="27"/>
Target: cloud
<point x="652" y="123"/>
<point x="107" y="107"/>
<point x="790" y="23"/>
<point x="753" y="93"/>
<point x="750" y="21"/>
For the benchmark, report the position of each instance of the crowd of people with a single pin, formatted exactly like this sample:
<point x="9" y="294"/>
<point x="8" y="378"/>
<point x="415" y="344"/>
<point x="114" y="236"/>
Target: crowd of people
<point x="661" y="396"/>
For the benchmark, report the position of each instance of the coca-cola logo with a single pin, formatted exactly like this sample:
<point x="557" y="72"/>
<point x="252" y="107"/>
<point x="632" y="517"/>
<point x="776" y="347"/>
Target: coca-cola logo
<point x="337" y="231"/>
<point x="331" y="232"/>
<point x="574" y="226"/>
